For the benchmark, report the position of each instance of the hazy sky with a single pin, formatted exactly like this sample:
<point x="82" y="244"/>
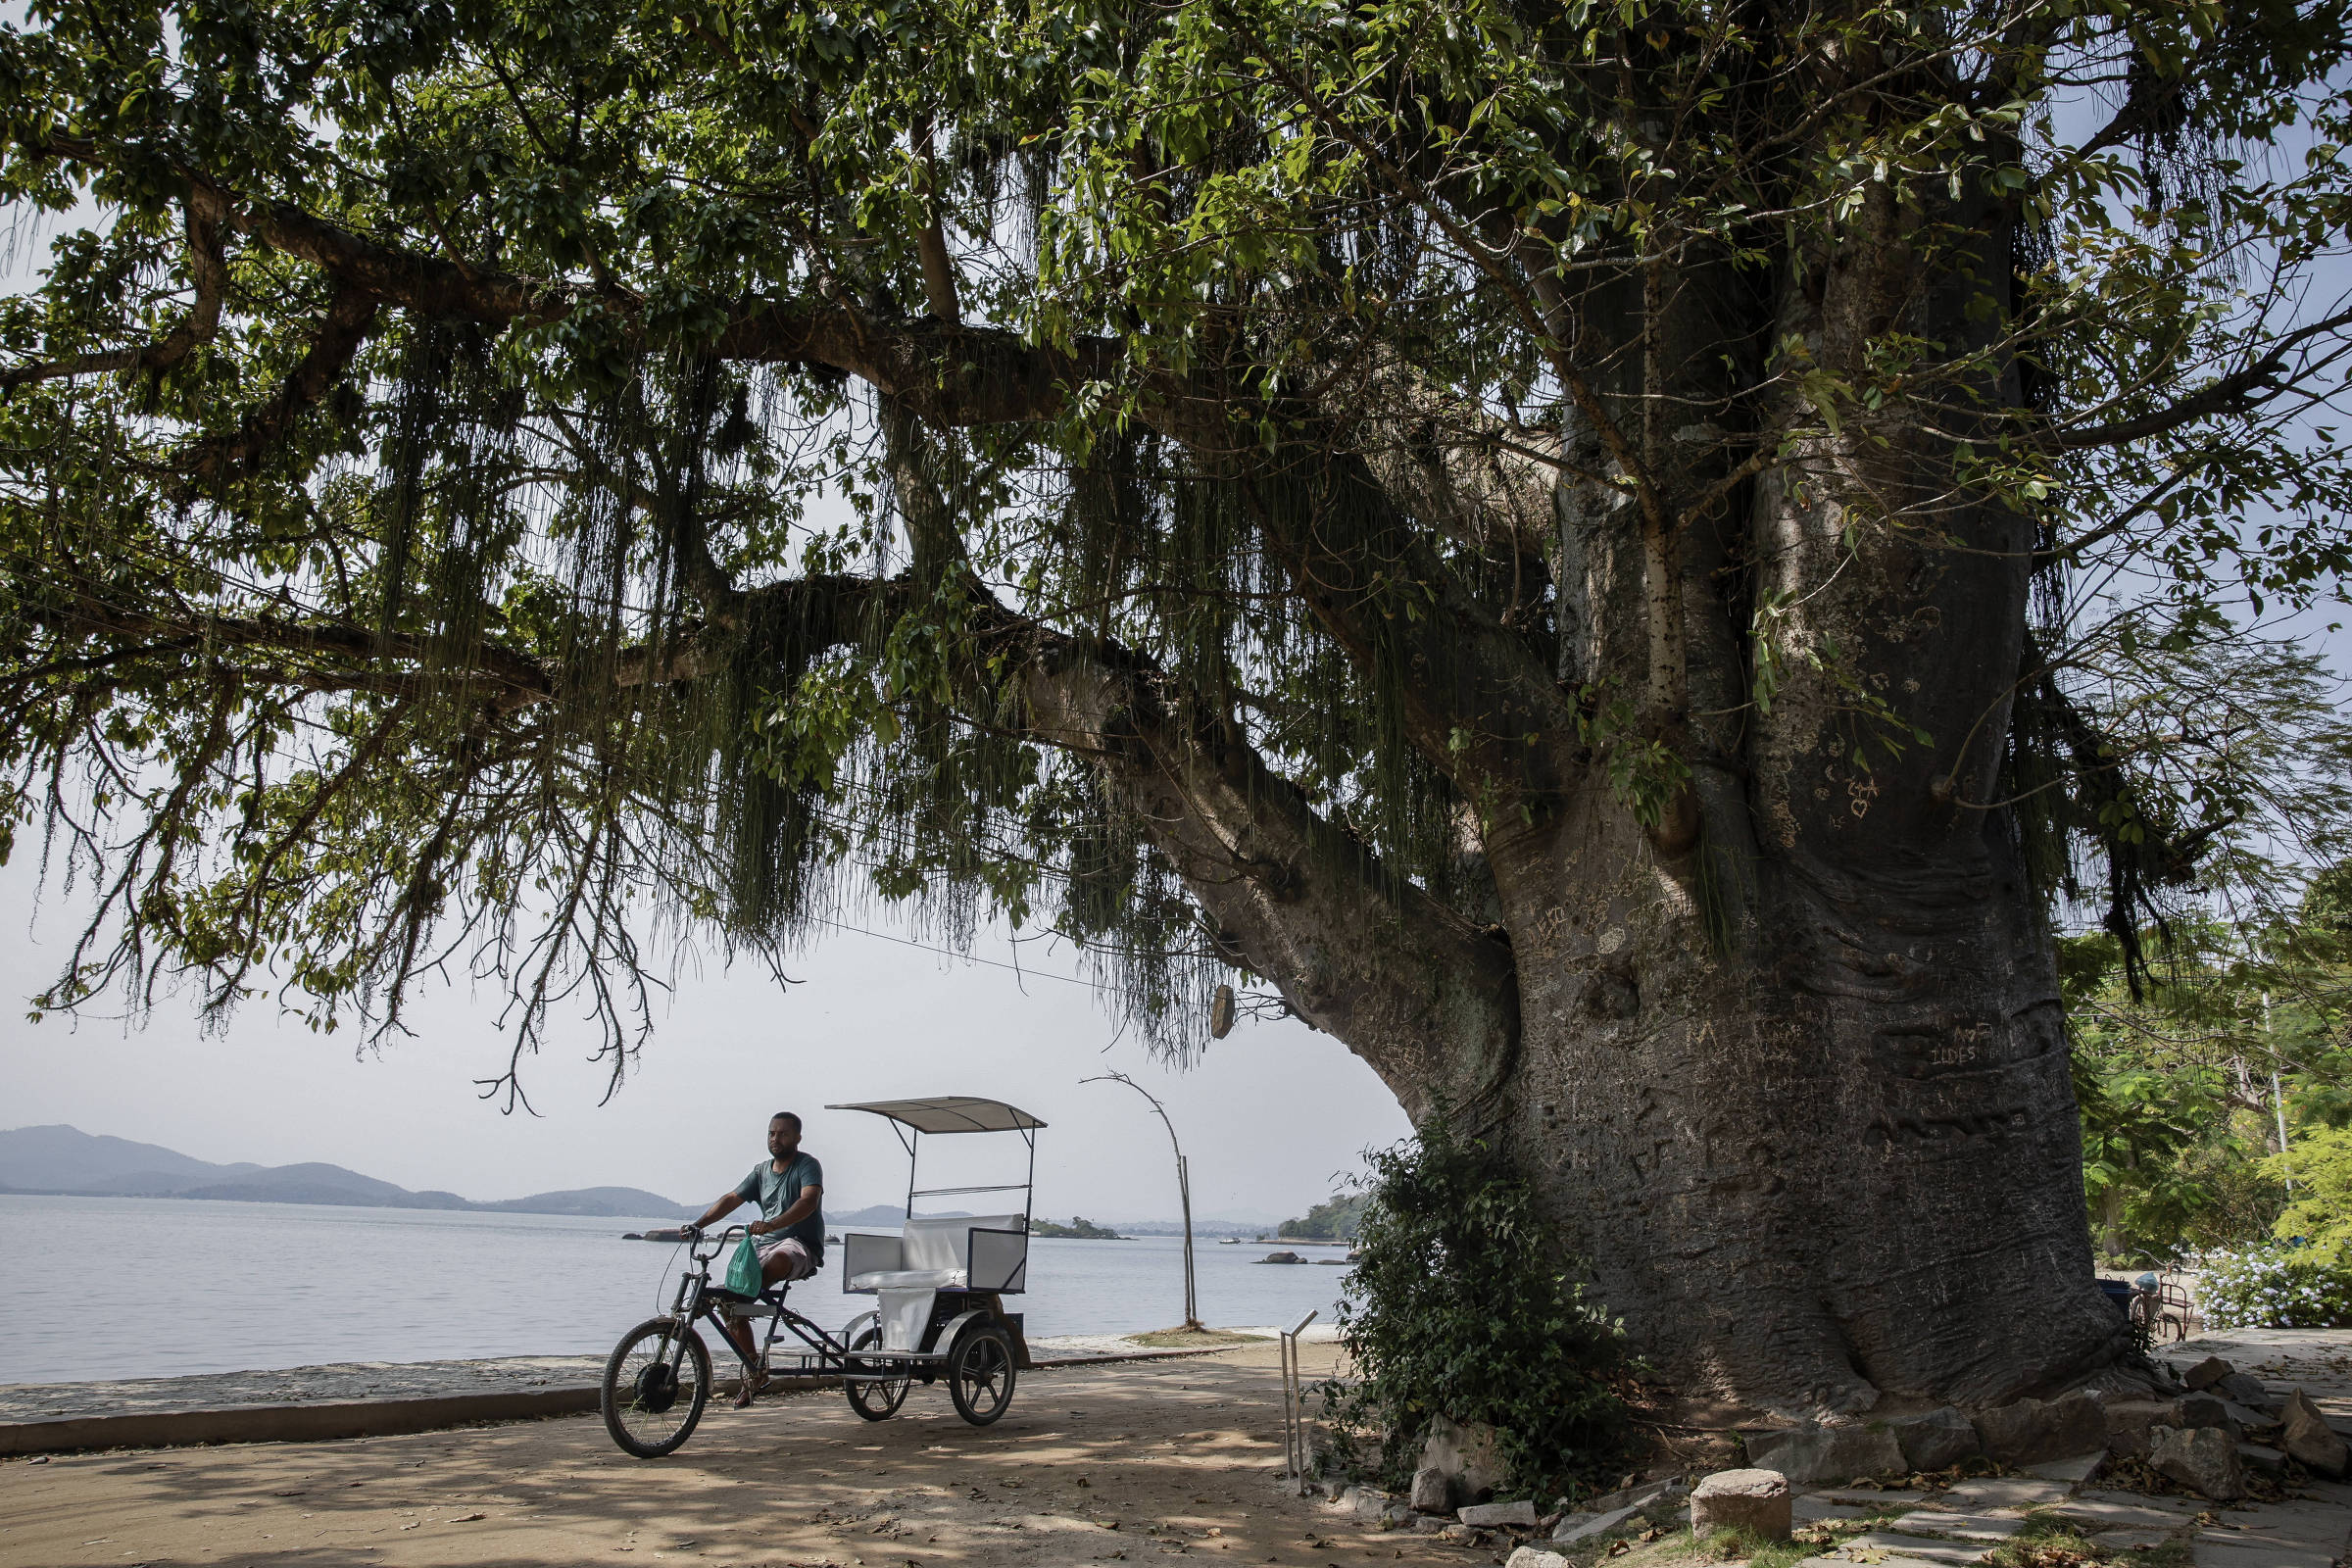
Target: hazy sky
<point x="1268" y="1117"/>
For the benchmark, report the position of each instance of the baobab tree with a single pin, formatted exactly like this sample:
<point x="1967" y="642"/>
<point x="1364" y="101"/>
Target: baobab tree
<point x="1620" y="560"/>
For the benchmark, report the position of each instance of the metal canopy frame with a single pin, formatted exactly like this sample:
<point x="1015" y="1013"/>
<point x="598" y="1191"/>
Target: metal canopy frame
<point x="969" y="1108"/>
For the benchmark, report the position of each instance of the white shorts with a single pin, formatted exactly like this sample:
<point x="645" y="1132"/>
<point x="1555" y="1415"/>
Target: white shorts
<point x="795" y="1250"/>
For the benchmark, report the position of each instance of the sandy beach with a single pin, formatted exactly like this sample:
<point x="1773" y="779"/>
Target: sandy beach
<point x="1100" y="1464"/>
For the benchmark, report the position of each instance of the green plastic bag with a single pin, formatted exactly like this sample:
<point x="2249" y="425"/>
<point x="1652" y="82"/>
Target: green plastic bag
<point x="743" y="1270"/>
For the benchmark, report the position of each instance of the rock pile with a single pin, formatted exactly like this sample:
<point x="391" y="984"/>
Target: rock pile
<point x="1465" y="1464"/>
<point x="2218" y="1432"/>
<point x="2208" y="1438"/>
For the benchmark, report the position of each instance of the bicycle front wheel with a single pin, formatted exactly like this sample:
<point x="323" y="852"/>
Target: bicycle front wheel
<point x="654" y="1387"/>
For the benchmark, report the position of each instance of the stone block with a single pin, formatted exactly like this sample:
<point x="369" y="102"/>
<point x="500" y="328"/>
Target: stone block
<point x="1814" y="1455"/>
<point x="2243" y="1388"/>
<point x="1430" y="1493"/>
<point x="2310" y="1440"/>
<point x="2206" y="1373"/>
<point x="2207" y="1411"/>
<point x="2128" y="1422"/>
<point x="1985" y="1527"/>
<point x="1467" y="1456"/>
<point x="1536" y="1557"/>
<point x="2035" y="1431"/>
<point x="2203" y="1459"/>
<point x="1934" y="1439"/>
<point x="1494" y="1515"/>
<point x="1581" y="1527"/>
<point x="1636" y="1496"/>
<point x="1757" y="1501"/>
<point x="2074" y="1472"/>
<point x="2251" y="1417"/>
<point x="2262" y="1461"/>
<point x="1897" y="1550"/>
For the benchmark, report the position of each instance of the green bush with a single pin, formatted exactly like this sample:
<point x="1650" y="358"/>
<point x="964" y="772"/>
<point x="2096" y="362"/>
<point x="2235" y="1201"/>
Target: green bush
<point x="1461" y="1306"/>
<point x="2276" y="1288"/>
<point x="2318" y="1164"/>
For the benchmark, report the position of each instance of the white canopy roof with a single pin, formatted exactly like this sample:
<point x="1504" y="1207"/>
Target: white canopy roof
<point x="951" y="1114"/>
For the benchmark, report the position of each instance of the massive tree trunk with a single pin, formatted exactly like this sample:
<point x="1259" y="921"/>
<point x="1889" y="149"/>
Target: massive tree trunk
<point x="1787" y="1063"/>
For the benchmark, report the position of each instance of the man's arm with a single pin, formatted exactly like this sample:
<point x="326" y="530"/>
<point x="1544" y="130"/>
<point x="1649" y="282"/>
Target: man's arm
<point x="798" y="1210"/>
<point x="726" y="1205"/>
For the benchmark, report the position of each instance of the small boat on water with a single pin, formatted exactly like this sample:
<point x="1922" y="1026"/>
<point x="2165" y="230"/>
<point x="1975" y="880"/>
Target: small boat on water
<point x="1228" y="1240"/>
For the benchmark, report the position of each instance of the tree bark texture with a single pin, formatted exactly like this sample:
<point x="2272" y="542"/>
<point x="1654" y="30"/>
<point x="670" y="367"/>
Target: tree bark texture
<point x="1792" y="1076"/>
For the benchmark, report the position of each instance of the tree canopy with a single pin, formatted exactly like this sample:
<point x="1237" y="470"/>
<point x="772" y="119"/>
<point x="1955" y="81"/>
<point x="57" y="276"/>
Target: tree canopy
<point x="524" y="483"/>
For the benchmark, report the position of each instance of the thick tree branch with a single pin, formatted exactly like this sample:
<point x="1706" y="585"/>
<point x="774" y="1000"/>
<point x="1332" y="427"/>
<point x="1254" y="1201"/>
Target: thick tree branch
<point x="941" y="369"/>
<point x="931" y="243"/>
<point x="2238" y="392"/>
<point x="1486" y="692"/>
<point x="350" y="318"/>
<point x="1430" y="1001"/>
<point x="1477" y="700"/>
<point x="208" y="270"/>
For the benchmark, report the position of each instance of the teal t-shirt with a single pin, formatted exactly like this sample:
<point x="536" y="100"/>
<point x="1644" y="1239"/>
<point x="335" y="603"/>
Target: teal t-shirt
<point x="776" y="1191"/>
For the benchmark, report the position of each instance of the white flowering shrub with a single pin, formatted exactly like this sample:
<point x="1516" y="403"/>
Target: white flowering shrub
<point x="2276" y="1288"/>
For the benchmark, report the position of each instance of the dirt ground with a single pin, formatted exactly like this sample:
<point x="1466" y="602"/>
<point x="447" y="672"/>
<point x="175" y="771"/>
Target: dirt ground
<point x="1102" y="1464"/>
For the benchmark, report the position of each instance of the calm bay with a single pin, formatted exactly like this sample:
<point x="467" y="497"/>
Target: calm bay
<point x="103" y="1287"/>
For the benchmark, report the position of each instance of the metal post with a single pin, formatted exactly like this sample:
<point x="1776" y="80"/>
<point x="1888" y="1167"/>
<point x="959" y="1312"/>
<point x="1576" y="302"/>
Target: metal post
<point x="1184" y="1188"/>
<point x="1294" y="1455"/>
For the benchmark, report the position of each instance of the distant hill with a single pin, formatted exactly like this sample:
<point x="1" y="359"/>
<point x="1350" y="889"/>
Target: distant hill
<point x="1336" y="1220"/>
<point x="613" y="1203"/>
<point x="67" y="1156"/>
<point x="69" y="1161"/>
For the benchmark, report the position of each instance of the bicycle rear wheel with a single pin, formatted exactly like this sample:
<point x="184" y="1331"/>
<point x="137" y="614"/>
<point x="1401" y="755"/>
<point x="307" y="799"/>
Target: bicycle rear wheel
<point x="653" y="1395"/>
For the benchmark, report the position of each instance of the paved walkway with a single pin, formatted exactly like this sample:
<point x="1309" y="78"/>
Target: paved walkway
<point x="1094" y="1465"/>
<point x="334" y="1384"/>
<point x="1119" y="1463"/>
<point x="344" y="1382"/>
<point x="1961" y="1525"/>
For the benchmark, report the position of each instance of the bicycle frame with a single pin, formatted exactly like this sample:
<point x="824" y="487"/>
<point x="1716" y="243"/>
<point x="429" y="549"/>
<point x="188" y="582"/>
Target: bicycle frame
<point x="825" y="1354"/>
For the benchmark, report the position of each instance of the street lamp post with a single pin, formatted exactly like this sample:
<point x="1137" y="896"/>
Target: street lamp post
<point x="1184" y="1190"/>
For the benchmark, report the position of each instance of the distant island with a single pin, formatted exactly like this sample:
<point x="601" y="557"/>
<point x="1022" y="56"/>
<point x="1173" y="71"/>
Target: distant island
<point x="64" y="1161"/>
<point x="1336" y="1220"/>
<point x="1078" y="1229"/>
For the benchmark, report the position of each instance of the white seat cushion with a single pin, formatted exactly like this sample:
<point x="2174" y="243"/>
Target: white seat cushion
<point x="910" y="1279"/>
<point x="947" y="1242"/>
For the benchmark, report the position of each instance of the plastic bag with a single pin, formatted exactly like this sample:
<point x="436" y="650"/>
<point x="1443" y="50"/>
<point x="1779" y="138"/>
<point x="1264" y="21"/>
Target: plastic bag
<point x="743" y="1270"/>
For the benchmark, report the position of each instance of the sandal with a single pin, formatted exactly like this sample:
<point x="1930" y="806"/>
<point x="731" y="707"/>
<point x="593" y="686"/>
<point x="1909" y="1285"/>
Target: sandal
<point x="747" y="1391"/>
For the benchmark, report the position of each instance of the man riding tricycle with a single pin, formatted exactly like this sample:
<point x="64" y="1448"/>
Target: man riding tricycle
<point x="937" y="1287"/>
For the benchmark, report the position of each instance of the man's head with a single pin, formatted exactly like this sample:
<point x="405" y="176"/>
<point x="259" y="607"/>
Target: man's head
<point x="783" y="1134"/>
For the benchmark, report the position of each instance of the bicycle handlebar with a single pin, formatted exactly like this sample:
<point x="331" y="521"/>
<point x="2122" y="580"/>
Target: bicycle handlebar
<point x="718" y="1242"/>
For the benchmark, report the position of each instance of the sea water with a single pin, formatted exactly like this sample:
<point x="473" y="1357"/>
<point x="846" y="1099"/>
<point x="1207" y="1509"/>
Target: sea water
<point x="102" y="1288"/>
